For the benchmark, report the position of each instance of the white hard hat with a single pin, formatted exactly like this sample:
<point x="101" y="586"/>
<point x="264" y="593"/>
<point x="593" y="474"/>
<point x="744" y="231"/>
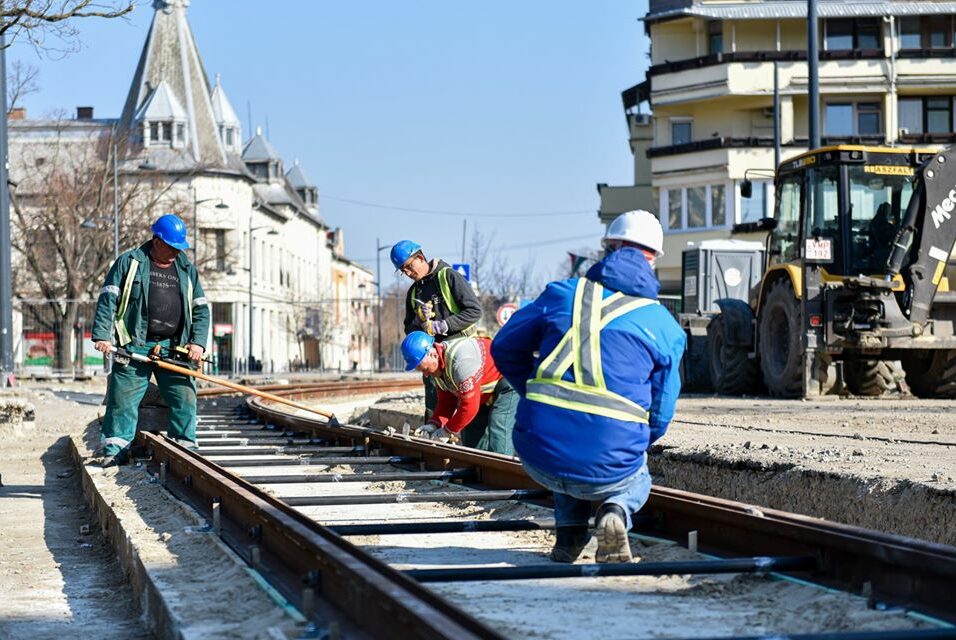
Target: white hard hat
<point x="640" y="227"/>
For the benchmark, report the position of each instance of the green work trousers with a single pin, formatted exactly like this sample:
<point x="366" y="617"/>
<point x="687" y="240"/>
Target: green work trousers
<point x="127" y="386"/>
<point x="491" y="429"/>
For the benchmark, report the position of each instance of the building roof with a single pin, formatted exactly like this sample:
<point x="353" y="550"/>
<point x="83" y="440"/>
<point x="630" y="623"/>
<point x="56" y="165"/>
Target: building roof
<point x="170" y="55"/>
<point x="297" y="177"/>
<point x="161" y="104"/>
<point x="259" y="149"/>
<point x="772" y="9"/>
<point x="221" y="107"/>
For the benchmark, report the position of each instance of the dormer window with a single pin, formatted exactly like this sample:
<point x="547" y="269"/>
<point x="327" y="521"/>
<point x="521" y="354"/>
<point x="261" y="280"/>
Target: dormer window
<point x="161" y="133"/>
<point x="229" y="136"/>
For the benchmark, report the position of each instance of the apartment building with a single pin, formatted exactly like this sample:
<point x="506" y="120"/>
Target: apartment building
<point x="887" y="76"/>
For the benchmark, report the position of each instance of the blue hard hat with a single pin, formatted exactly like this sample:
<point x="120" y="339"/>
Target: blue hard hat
<point x="172" y="230"/>
<point x="402" y="251"/>
<point x="415" y="347"/>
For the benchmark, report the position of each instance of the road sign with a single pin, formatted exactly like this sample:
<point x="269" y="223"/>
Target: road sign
<point x="505" y="312"/>
<point x="464" y="269"/>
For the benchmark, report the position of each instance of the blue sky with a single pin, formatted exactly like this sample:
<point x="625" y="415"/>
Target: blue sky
<point x="491" y="108"/>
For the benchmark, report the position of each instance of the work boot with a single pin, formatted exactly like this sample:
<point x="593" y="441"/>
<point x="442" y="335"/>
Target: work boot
<point x="188" y="444"/>
<point x="105" y="459"/>
<point x="611" y="531"/>
<point x="569" y="543"/>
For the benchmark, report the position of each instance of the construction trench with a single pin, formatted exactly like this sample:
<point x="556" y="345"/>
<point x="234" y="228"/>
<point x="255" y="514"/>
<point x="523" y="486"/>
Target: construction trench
<point x="848" y="461"/>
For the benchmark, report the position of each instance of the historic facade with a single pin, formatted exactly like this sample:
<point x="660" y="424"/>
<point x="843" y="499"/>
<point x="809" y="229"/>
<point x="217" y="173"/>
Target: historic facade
<point x="271" y="266"/>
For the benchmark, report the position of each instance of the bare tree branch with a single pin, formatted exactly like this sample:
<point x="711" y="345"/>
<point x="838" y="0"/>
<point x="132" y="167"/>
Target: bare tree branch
<point x="37" y="19"/>
<point x="21" y="82"/>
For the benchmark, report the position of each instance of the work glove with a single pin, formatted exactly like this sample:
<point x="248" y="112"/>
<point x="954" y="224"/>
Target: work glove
<point x="436" y="327"/>
<point x="435" y="433"/>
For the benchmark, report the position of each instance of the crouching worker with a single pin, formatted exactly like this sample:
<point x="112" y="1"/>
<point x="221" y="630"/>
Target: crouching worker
<point x="474" y="401"/>
<point x="151" y="297"/>
<point x="601" y="391"/>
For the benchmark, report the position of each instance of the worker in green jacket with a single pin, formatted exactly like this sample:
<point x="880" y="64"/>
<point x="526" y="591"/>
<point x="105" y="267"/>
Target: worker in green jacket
<point x="151" y="297"/>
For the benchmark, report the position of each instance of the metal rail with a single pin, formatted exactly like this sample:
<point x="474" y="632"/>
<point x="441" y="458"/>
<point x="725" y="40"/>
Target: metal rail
<point x="887" y="568"/>
<point x="305" y="560"/>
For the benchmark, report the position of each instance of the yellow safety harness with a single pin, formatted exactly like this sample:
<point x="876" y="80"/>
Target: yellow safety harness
<point x="580" y="350"/>
<point x="445" y="380"/>
<point x="122" y="331"/>
<point x="445" y="288"/>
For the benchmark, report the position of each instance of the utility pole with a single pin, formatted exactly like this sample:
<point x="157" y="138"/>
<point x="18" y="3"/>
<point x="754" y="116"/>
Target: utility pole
<point x="813" y="70"/>
<point x="6" y="248"/>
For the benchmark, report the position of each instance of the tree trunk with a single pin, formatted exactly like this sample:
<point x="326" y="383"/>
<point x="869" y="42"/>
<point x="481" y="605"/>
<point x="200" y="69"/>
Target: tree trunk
<point x="63" y="329"/>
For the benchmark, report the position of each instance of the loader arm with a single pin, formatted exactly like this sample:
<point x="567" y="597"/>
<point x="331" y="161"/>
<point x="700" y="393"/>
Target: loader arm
<point x="927" y="235"/>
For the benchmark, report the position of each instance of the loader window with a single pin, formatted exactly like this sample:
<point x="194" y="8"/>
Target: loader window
<point x="785" y="237"/>
<point x="823" y="213"/>
<point x="876" y="205"/>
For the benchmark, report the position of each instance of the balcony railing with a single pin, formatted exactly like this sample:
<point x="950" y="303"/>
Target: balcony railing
<point x="740" y="143"/>
<point x="763" y="56"/>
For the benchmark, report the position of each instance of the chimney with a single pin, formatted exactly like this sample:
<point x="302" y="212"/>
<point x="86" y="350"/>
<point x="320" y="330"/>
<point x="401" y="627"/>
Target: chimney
<point x="84" y="113"/>
<point x="17" y="113"/>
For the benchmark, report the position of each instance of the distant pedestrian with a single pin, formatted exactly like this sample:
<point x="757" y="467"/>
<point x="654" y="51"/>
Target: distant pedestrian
<point x="475" y="402"/>
<point x="151" y="297"/>
<point x="440" y="301"/>
<point x="602" y="389"/>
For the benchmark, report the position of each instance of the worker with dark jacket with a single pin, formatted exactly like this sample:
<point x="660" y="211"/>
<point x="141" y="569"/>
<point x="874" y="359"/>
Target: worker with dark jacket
<point x="601" y="391"/>
<point x="475" y="403"/>
<point x="151" y="297"/>
<point x="440" y="301"/>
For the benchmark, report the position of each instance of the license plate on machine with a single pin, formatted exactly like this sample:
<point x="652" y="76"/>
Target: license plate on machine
<point x="820" y="249"/>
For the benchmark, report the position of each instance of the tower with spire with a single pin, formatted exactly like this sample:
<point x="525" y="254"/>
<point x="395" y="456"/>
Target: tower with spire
<point x="257" y="227"/>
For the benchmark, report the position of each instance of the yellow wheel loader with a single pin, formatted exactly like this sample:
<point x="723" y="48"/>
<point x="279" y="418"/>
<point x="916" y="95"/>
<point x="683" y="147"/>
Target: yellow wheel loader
<point x="856" y="273"/>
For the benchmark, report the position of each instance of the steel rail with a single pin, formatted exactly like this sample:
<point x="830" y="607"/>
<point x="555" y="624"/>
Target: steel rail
<point x="304" y="559"/>
<point x="885" y="567"/>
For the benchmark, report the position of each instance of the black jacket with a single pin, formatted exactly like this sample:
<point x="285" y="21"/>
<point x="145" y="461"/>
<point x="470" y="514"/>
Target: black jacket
<point x="428" y="289"/>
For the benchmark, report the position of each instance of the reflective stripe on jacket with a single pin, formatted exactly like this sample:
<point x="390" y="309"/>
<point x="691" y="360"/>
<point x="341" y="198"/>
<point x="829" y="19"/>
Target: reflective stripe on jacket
<point x="466" y="380"/>
<point x="122" y="310"/>
<point x="580" y="350"/>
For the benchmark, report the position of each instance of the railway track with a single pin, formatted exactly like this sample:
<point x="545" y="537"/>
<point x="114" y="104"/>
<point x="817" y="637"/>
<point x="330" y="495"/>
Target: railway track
<point x="361" y="530"/>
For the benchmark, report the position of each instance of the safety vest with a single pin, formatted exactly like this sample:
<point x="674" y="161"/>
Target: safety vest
<point x="444" y="380"/>
<point x="580" y="350"/>
<point x="445" y="288"/>
<point x="122" y="331"/>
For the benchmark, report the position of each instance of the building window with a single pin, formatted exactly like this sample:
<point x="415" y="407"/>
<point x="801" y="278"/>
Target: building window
<point x="939" y="115"/>
<point x="166" y="131"/>
<point x="696" y="207"/>
<point x="229" y="136"/>
<point x="754" y="208"/>
<point x="180" y="133"/>
<point x="926" y="32"/>
<point x="839" y="119"/>
<point x="718" y="206"/>
<point x="852" y="119"/>
<point x="938" y="32"/>
<point x="868" y="118"/>
<point x="674" y="209"/>
<point x="682" y="131"/>
<point x="911" y="115"/>
<point x="220" y="249"/>
<point x="715" y="37"/>
<point x="154" y="131"/>
<point x="844" y="34"/>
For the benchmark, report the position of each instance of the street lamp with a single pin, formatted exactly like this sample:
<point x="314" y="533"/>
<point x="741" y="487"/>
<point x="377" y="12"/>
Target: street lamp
<point x="378" y="315"/>
<point x="272" y="232"/>
<point x="196" y="203"/>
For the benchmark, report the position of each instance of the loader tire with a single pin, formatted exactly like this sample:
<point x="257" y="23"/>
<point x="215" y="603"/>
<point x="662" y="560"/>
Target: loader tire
<point x="931" y="374"/>
<point x="868" y="377"/>
<point x="731" y="371"/>
<point x="780" y="342"/>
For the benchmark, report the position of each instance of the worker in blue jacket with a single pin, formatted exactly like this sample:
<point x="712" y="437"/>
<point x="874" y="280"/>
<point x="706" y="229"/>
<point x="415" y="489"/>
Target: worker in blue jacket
<point x="602" y="389"/>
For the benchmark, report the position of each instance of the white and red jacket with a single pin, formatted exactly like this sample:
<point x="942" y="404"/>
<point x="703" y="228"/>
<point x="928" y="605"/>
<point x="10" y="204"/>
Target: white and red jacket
<point x="466" y="379"/>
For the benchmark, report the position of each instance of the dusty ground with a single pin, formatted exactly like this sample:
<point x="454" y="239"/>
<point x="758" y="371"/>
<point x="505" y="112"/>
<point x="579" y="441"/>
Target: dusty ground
<point x="887" y="464"/>
<point x="56" y="582"/>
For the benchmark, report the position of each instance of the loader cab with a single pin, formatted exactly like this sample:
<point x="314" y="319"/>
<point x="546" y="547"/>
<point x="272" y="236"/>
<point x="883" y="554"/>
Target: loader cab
<point x="841" y="207"/>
